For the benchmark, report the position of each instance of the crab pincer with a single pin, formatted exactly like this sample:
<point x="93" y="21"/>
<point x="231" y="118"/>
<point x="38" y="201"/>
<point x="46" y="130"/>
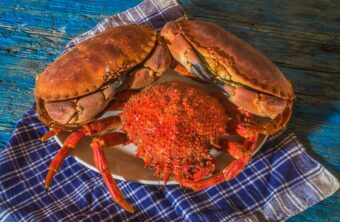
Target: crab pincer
<point x="242" y="152"/>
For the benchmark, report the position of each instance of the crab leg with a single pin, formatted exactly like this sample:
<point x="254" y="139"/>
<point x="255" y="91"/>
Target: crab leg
<point x="203" y="172"/>
<point x="242" y="155"/>
<point x="229" y="173"/>
<point x="72" y="140"/>
<point x="49" y="134"/>
<point x="101" y="164"/>
<point x="197" y="176"/>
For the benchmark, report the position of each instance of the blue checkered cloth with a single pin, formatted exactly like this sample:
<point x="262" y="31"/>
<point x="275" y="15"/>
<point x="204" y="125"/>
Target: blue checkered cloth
<point x="281" y="181"/>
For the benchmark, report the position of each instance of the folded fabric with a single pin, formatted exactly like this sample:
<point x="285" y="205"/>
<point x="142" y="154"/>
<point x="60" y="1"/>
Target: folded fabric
<point x="281" y="181"/>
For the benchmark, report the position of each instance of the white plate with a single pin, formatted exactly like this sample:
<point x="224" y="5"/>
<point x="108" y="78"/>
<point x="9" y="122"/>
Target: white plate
<point x="121" y="160"/>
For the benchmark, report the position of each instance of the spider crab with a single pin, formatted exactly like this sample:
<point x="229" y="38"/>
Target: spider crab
<point x="174" y="126"/>
<point x="75" y="90"/>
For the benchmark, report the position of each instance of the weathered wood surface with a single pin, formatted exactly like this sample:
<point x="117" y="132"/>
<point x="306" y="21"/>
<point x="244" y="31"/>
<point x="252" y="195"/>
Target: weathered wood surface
<point x="302" y="37"/>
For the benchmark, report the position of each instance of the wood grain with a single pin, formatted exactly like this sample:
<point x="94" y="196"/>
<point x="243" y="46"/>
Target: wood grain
<point x="301" y="37"/>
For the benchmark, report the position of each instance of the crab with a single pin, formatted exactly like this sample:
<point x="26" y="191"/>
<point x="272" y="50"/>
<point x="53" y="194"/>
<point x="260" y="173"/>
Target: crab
<point x="78" y="87"/>
<point x="80" y="84"/>
<point x="174" y="126"/>
<point x="248" y="78"/>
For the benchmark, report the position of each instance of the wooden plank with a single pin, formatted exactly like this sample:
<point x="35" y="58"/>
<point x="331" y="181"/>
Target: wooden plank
<point x="302" y="37"/>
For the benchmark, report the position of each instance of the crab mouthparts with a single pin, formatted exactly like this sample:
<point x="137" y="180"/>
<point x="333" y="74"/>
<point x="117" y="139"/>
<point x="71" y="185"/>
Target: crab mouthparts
<point x="83" y="109"/>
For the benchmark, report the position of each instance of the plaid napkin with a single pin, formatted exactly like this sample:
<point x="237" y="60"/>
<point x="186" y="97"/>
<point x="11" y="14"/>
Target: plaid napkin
<point x="281" y="181"/>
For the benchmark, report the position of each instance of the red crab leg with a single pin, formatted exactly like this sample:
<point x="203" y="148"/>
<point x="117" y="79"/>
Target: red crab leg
<point x="243" y="155"/>
<point x="197" y="176"/>
<point x="72" y="140"/>
<point x="203" y="172"/>
<point x="230" y="172"/>
<point x="239" y="150"/>
<point x="101" y="164"/>
<point x="49" y="134"/>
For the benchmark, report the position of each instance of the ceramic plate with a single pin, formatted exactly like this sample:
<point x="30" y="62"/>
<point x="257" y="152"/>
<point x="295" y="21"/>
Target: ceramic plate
<point x="121" y="160"/>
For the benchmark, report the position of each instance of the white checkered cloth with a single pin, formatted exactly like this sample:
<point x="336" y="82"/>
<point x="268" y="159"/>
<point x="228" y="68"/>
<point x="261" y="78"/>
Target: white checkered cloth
<point x="281" y="181"/>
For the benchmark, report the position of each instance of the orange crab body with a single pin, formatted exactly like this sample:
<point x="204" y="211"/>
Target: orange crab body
<point x="174" y="126"/>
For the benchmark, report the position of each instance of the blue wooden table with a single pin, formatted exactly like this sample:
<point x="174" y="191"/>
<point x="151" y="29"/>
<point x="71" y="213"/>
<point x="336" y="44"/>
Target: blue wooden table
<point x="301" y="37"/>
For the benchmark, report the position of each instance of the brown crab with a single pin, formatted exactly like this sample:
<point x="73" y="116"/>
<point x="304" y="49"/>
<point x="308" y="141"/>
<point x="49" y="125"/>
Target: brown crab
<point x="248" y="78"/>
<point x="79" y="85"/>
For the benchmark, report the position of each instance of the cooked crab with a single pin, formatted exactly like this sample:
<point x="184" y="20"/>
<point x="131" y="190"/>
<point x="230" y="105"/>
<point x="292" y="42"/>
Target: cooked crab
<point x="248" y="78"/>
<point x="174" y="126"/>
<point x="78" y="86"/>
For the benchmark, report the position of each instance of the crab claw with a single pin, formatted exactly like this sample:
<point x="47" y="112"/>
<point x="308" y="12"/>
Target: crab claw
<point x="182" y="51"/>
<point x="230" y="172"/>
<point x="199" y="70"/>
<point x="242" y="152"/>
<point x="185" y="54"/>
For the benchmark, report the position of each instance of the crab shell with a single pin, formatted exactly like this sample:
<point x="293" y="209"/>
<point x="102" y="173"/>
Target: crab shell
<point x="250" y="79"/>
<point x="90" y="73"/>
